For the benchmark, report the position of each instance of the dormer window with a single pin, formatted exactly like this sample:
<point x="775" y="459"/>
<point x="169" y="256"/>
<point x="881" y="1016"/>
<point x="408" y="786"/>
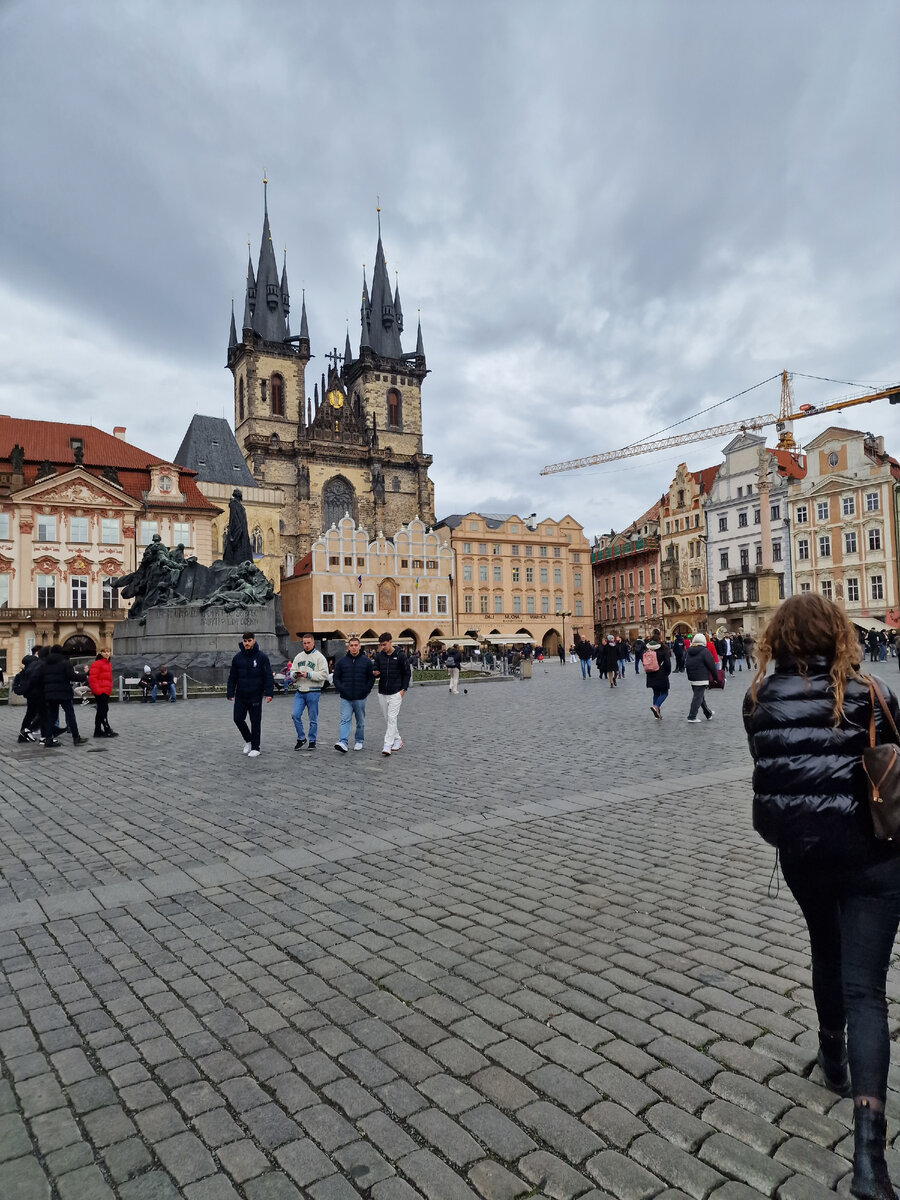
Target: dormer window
<point x="76" y="443"/>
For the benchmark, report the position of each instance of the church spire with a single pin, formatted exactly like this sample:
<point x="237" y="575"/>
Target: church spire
<point x="232" y="333"/>
<point x="398" y="311"/>
<point x="268" y="313"/>
<point x="364" y="313"/>
<point x="348" y="352"/>
<point x="285" y="295"/>
<point x="384" y="333"/>
<point x="420" y="345"/>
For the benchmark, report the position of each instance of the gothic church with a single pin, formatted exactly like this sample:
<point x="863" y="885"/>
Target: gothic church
<point x="355" y="445"/>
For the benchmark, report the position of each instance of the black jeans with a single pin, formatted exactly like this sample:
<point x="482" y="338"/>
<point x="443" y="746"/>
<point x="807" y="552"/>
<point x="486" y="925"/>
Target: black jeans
<point x="852" y="914"/>
<point x="101" y="718"/>
<point x="51" y="716"/>
<point x="252" y="706"/>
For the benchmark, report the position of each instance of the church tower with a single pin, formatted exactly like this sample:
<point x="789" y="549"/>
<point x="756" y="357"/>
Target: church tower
<point x="353" y="447"/>
<point x="269" y="369"/>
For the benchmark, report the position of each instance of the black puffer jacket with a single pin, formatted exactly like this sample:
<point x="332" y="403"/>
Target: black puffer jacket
<point x="250" y="674"/>
<point x="57" y="675"/>
<point x="809" y="790"/>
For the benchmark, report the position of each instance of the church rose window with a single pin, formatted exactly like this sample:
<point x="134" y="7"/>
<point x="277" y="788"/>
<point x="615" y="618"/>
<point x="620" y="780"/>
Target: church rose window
<point x="276" y="395"/>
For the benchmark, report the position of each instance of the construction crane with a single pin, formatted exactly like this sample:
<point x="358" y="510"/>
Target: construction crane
<point x="783" y="423"/>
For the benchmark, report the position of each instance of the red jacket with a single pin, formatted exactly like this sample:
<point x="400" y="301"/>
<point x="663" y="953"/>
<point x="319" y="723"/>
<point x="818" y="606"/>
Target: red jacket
<point x="100" y="677"/>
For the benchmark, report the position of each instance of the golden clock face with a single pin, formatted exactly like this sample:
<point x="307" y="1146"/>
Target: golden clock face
<point x="335" y="398"/>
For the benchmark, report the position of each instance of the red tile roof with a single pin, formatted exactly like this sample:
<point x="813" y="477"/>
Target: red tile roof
<point x="42" y="440"/>
<point x="706" y="478"/>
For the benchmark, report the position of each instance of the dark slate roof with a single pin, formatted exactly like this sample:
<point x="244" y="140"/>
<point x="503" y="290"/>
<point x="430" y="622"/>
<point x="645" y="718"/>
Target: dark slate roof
<point x="268" y="312"/>
<point x="209" y="448"/>
<point x="456" y="519"/>
<point x="379" y="314"/>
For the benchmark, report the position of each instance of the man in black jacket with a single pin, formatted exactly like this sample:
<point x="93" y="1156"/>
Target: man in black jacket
<point x="25" y="684"/>
<point x="249" y="679"/>
<point x="453" y="662"/>
<point x="393" y="674"/>
<point x="56" y="675"/>
<point x="354" y="677"/>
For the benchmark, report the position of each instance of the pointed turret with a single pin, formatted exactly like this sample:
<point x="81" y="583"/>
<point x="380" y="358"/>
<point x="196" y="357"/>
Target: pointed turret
<point x="348" y="353"/>
<point x="420" y="345"/>
<point x="303" y="343"/>
<point x="251" y="280"/>
<point x="268" y="313"/>
<point x="364" y="310"/>
<point x="285" y="295"/>
<point x="232" y="333"/>
<point x="398" y="311"/>
<point x="384" y="334"/>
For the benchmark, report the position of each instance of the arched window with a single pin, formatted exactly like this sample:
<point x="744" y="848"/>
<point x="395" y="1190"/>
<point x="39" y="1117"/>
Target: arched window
<point x="395" y="483"/>
<point x="394" y="416"/>
<point x="276" y="395"/>
<point x="241" y="399"/>
<point x="338" y="498"/>
<point x="256" y="541"/>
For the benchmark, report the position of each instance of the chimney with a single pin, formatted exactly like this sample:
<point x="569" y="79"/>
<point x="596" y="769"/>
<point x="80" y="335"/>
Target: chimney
<point x="119" y="432"/>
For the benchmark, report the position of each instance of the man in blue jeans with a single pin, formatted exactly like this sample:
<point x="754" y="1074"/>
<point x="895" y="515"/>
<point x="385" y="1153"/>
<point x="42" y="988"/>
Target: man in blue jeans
<point x="309" y="670"/>
<point x="354" y="677"/>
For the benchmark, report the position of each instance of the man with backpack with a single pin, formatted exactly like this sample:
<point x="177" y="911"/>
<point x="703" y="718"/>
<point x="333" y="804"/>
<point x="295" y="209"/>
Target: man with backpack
<point x="637" y="649"/>
<point x="23" y="684"/>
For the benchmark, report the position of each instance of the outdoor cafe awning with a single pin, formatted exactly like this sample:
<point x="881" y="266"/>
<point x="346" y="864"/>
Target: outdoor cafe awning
<point x="458" y="641"/>
<point x="872" y="623"/>
<point x="511" y="641"/>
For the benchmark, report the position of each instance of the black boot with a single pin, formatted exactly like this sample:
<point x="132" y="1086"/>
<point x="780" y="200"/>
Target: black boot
<point x="832" y="1060"/>
<point x="109" y="732"/>
<point x="870" y="1174"/>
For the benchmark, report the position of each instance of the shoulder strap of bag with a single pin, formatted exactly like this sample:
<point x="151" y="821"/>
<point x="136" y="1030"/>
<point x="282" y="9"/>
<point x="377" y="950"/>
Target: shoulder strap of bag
<point x="868" y="682"/>
<point x="875" y="692"/>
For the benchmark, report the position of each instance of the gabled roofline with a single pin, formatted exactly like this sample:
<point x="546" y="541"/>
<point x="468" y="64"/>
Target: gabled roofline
<point x="33" y="490"/>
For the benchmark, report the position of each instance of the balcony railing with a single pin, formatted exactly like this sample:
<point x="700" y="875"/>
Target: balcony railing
<point x="623" y="549"/>
<point x="37" y="613"/>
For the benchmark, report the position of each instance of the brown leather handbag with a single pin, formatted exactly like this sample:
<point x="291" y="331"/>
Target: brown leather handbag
<point x="881" y="763"/>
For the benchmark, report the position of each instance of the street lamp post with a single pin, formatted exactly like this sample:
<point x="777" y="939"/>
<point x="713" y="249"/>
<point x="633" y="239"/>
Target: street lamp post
<point x="565" y="652"/>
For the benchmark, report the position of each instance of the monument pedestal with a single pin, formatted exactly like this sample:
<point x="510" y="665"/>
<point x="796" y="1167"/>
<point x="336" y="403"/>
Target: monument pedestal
<point x="199" y="642"/>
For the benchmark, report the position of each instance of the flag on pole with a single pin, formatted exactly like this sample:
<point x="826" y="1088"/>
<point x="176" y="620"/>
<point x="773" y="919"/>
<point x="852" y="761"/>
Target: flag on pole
<point x="359" y="581"/>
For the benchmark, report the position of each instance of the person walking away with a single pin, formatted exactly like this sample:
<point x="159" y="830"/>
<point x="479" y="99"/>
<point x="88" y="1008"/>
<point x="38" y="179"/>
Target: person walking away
<point x="882" y="645"/>
<point x="807" y="725"/>
<point x="24" y="684"/>
<point x="165" y="681"/>
<point x="561" y="651"/>
<point x="354" y="678"/>
<point x="892" y="642"/>
<point x="58" y="675"/>
<point x="309" y="670"/>
<point x="872" y="640"/>
<point x="657" y="668"/>
<point x="728" y="653"/>
<point x="585" y="651"/>
<point x="678" y="654"/>
<point x="249" y="679"/>
<point x="638" y="648"/>
<point x="749" y="647"/>
<point x="621" y="655"/>
<point x="737" y="649"/>
<point x="393" y="675"/>
<point x="608" y="661"/>
<point x="100" y="681"/>
<point x="699" y="664"/>
<point x="453" y="664"/>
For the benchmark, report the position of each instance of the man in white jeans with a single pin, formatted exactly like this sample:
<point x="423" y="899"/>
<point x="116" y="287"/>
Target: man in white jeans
<point x="454" y="662"/>
<point x="393" y="675"/>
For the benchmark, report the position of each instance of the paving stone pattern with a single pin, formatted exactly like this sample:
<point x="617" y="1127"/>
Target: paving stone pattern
<point x="533" y="953"/>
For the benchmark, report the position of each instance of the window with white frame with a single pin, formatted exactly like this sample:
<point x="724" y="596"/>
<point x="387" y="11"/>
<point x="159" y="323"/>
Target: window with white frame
<point x="110" y="594"/>
<point x="543" y="551"/>
<point x="78" y="590"/>
<point x="482" y="547"/>
<point x="775" y="512"/>
<point x="850" y="544"/>
<point x="744" y="553"/>
<point x="803" y="548"/>
<point x="498" y="604"/>
<point x="853" y="589"/>
<point x="805" y="587"/>
<point x="79" y="529"/>
<point x="545" y="575"/>
<point x="110" y="531"/>
<point x="825" y="546"/>
<point x="468" y="603"/>
<point x="46" y="527"/>
<point x="473" y="525"/>
<point x="482" y="574"/>
<point x="545" y="604"/>
<point x="349" y="602"/>
<point x="848" y="506"/>
<point x="529" y="574"/>
<point x="424" y="605"/>
<point x="529" y="604"/>
<point x="653" y="605"/>
<point x="328" y="602"/>
<point x="742" y="520"/>
<point x="557" y="607"/>
<point x="181" y="534"/>
<point x="876" y="587"/>
<point x="827" y="589"/>
<point x="467" y="547"/>
<point x="406" y="604"/>
<point x="776" y="550"/>
<point x="483" y="603"/>
<point x="579" y="613"/>
<point x="517" y="604"/>
<point x="148" y="529"/>
<point x="46" y="591"/>
<point x="4" y="527"/>
<point x="723" y="524"/>
<point x="516" y="571"/>
<point x="467" y="572"/>
<point x="872" y="504"/>
<point x="442" y="608"/>
<point x="821" y="510"/>
<point x="875" y="538"/>
<point x="723" y="560"/>
<point x="498" y="573"/>
<point x="496" y="548"/>
<point x="801" y="514"/>
<point x="368" y="602"/>
<point x="576" y="579"/>
<point x="557" y="574"/>
<point x="757" y="516"/>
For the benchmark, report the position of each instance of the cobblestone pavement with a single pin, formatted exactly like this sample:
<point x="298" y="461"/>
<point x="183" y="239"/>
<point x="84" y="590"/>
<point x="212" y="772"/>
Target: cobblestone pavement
<point x="533" y="953"/>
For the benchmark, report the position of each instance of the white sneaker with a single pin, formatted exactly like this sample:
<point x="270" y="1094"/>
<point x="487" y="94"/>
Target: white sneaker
<point x="253" y="754"/>
<point x="342" y="746"/>
<point x="398" y="744"/>
<point x="247" y="748"/>
<point x="386" y="752"/>
<point x="358" y="746"/>
<point x="694" y="721"/>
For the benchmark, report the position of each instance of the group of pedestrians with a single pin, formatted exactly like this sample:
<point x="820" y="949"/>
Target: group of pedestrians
<point x="46" y="684"/>
<point x="251" y="684"/>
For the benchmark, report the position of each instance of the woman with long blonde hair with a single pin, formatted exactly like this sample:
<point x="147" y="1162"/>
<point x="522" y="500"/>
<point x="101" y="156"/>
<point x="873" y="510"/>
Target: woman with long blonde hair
<point x="807" y="723"/>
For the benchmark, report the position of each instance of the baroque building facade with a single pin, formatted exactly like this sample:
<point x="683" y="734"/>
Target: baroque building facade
<point x="683" y="552"/>
<point x="625" y="568"/>
<point x="354" y="446"/>
<point x="843" y="520"/>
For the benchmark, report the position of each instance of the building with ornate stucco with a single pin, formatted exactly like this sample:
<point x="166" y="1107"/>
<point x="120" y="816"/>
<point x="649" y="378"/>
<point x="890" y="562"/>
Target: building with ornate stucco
<point x="346" y="443"/>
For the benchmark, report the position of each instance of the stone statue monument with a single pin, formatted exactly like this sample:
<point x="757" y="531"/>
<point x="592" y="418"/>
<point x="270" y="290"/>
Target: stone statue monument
<point x="238" y="548"/>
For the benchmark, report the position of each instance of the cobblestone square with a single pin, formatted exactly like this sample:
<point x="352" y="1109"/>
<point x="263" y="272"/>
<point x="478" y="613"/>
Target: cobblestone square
<point x="533" y="953"/>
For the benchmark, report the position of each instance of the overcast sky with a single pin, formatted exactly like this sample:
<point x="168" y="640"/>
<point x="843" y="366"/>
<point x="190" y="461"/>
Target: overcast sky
<point x="611" y="214"/>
